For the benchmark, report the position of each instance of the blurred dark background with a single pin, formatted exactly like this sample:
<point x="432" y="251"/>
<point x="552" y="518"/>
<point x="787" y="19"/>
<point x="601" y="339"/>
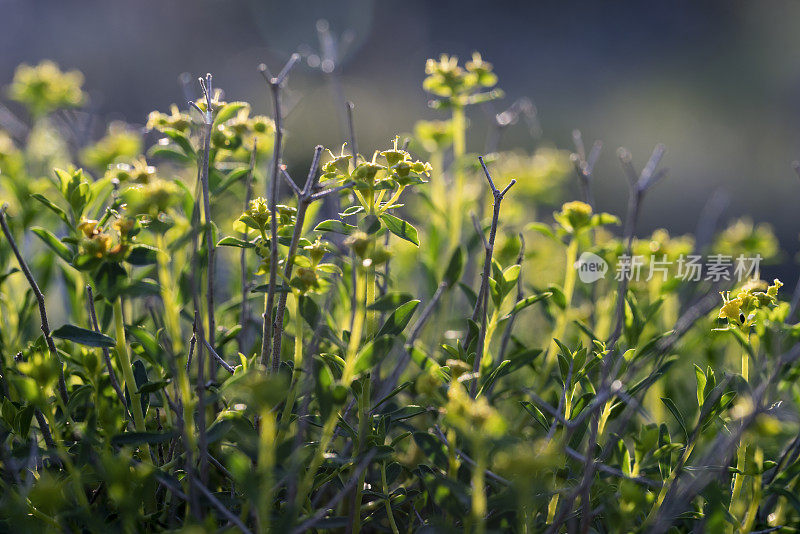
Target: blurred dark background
<point x="718" y="82"/>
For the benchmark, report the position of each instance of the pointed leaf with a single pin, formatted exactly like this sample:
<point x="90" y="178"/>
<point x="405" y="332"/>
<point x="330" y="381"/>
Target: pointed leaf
<point x="82" y="336"/>
<point x="400" y="228"/>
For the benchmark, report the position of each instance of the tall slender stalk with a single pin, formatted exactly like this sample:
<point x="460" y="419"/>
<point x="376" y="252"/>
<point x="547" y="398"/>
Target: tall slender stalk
<point x="741" y="452"/>
<point x="388" y="501"/>
<point x="266" y="463"/>
<point x="244" y="311"/>
<point x="364" y="422"/>
<point x="112" y="376"/>
<point x="304" y="199"/>
<point x="45" y="325"/>
<point x="483" y="295"/>
<point x="295" y="381"/>
<point x="168" y="296"/>
<point x="274" y="84"/>
<point x="459" y="150"/>
<point x="478" y="482"/>
<point x="561" y="321"/>
<point x="124" y="362"/>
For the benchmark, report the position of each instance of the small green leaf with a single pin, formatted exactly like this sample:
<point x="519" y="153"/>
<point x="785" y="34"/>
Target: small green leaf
<point x="140" y="438"/>
<point x="152" y="387"/>
<point x="143" y="255"/>
<point x="455" y="267"/>
<point x="701" y="384"/>
<point x="228" y="111"/>
<point x="400" y="228"/>
<point x="399" y="319"/>
<point x="82" y="336"/>
<point x="181" y="140"/>
<point x="390" y="301"/>
<point x="543" y="229"/>
<point x="332" y="225"/>
<point x="168" y="152"/>
<point x="369" y="355"/>
<point x="528" y="301"/>
<point x="673" y="408"/>
<point x="54" y="243"/>
<point x="231" y="241"/>
<point x="233" y="176"/>
<point x="54" y="208"/>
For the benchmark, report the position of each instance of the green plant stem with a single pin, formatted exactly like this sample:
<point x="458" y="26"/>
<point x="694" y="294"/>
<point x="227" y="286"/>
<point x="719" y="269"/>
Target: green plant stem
<point x="371" y="315"/>
<point x="266" y="463"/>
<point x="124" y="361"/>
<point x="452" y="455"/>
<point x="478" y="512"/>
<point x="358" y="326"/>
<point x="741" y="452"/>
<point x="306" y="484"/>
<point x="388" y="502"/>
<point x="168" y="297"/>
<point x="363" y="429"/>
<point x="298" y="362"/>
<point x="561" y="322"/>
<point x="755" y="500"/>
<point x="459" y="149"/>
<point x="347" y="377"/>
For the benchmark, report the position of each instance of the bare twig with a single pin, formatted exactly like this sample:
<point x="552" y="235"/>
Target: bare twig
<point x="638" y="185"/>
<point x="483" y="294"/>
<point x="45" y="326"/>
<point x="416" y="330"/>
<point x="204" y="170"/>
<point x="584" y="166"/>
<point x="307" y="525"/>
<point x="244" y="311"/>
<point x="225" y="365"/>
<point x="274" y="84"/>
<point x="494" y="476"/>
<point x="230" y="516"/>
<point x="304" y="199"/>
<point x="522" y="107"/>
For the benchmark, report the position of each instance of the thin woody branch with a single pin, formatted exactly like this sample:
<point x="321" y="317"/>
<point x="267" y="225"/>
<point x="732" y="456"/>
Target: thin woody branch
<point x="274" y="84"/>
<point x="483" y="295"/>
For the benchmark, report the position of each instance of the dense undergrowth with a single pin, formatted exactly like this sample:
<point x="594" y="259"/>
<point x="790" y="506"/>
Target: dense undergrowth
<point x="429" y="361"/>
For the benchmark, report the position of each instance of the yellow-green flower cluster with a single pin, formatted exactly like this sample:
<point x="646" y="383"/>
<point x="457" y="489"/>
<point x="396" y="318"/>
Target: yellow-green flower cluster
<point x="434" y="136"/>
<point x="151" y="198"/>
<point x="473" y="417"/>
<point x="119" y="144"/>
<point x="45" y="88"/>
<point x="243" y="130"/>
<point x="576" y="216"/>
<point x="661" y="244"/>
<point x="399" y="170"/>
<point x="539" y="175"/>
<point x="140" y="172"/>
<point x="456" y="85"/>
<point x="740" y="311"/>
<point x="744" y="237"/>
<point x="98" y="243"/>
<point x="367" y="249"/>
<point x="176" y="120"/>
